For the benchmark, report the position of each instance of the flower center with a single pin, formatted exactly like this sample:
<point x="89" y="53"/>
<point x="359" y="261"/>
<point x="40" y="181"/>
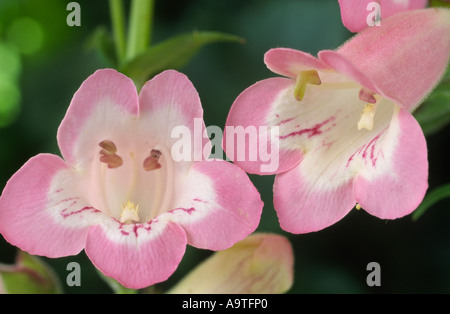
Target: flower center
<point x="129" y="213"/>
<point x="366" y="121"/>
<point x="312" y="77"/>
<point x="135" y="185"/>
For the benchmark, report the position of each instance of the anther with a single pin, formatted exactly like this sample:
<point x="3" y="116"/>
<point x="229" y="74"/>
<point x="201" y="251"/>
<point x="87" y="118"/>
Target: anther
<point x="151" y="162"/>
<point x="367" y="96"/>
<point x="108" y="154"/>
<point x="367" y="116"/>
<point x="303" y="79"/>
<point x="129" y="213"/>
<point x="108" y="146"/>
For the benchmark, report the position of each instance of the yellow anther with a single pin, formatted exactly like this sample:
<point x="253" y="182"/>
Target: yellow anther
<point x="303" y="79"/>
<point x="367" y="116"/>
<point x="129" y="213"/>
<point x="357" y="206"/>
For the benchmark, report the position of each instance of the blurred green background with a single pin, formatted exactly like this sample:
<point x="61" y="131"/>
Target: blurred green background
<point x="43" y="61"/>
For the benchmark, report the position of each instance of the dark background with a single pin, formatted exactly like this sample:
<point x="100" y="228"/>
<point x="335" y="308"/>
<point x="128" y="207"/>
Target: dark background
<point x="48" y="60"/>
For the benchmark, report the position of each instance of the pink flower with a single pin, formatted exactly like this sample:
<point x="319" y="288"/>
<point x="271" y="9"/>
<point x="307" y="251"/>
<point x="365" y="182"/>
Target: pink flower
<point x="346" y="134"/>
<point x="357" y="15"/>
<point x="118" y="194"/>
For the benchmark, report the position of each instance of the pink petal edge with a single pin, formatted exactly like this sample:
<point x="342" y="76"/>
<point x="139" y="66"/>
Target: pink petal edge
<point x="219" y="205"/>
<point x="354" y="14"/>
<point x="105" y="86"/>
<point x="399" y="191"/>
<point x="250" y="111"/>
<point x="26" y="218"/>
<point x="302" y="208"/>
<point x="139" y="255"/>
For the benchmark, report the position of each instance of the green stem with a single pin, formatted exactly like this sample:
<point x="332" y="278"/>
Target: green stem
<point x="118" y="27"/>
<point x="139" y="30"/>
<point x="432" y="198"/>
<point x="115" y="286"/>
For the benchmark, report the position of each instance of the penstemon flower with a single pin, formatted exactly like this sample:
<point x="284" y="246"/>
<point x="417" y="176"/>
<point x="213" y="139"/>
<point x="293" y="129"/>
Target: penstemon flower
<point x="357" y="15"/>
<point x="346" y="132"/>
<point x="118" y="194"/>
<point x="261" y="263"/>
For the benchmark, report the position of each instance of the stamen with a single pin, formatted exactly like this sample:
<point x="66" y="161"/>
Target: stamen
<point x="366" y="120"/>
<point x="151" y="162"/>
<point x="367" y="116"/>
<point x="304" y="78"/>
<point x="367" y="96"/>
<point x="357" y="206"/>
<point x="113" y="161"/>
<point x="108" y="154"/>
<point x="108" y="146"/>
<point x="129" y="213"/>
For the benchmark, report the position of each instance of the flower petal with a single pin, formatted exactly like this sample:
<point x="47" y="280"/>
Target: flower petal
<point x="395" y="180"/>
<point x="105" y="103"/>
<point x="217" y="205"/>
<point x="170" y="103"/>
<point x="136" y="255"/>
<point x="290" y="62"/>
<point x="344" y="66"/>
<point x="405" y="57"/>
<point x="355" y="13"/>
<point x="303" y="206"/>
<point x="41" y="212"/>
<point x="318" y="192"/>
<point x="252" y="129"/>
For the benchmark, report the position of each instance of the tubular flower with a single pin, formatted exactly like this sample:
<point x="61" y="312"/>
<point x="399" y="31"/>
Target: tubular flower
<point x="118" y="194"/>
<point x="261" y="263"/>
<point x="357" y="15"/>
<point x="346" y="134"/>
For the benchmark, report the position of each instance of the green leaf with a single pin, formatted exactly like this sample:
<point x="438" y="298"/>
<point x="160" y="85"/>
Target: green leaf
<point x="10" y="96"/>
<point x="434" y="113"/>
<point x="10" y="99"/>
<point x="432" y="198"/>
<point x="172" y="53"/>
<point x="101" y="41"/>
<point x="30" y="275"/>
<point x="440" y="3"/>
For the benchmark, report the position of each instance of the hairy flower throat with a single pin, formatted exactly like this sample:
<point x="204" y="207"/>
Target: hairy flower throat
<point x="135" y="184"/>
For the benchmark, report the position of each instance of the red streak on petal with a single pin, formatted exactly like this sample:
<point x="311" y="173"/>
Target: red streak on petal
<point x="285" y="121"/>
<point x="187" y="210"/>
<point x="368" y="150"/>
<point x="146" y="226"/>
<point x="66" y="200"/>
<point x="200" y="201"/>
<point x="315" y="130"/>
<point x="65" y="215"/>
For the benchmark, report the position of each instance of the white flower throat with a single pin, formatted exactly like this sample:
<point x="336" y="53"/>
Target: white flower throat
<point x="311" y="77"/>
<point x="136" y="186"/>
